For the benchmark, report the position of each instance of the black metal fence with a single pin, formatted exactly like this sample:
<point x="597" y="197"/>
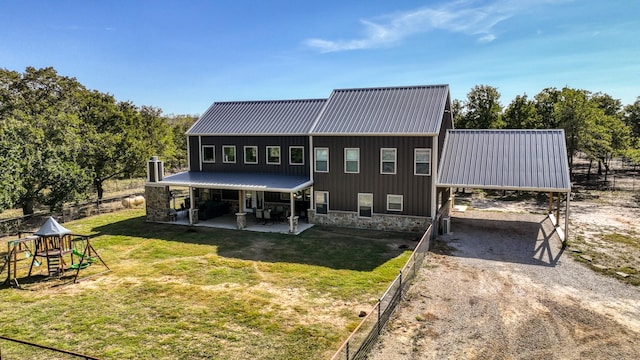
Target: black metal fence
<point x="362" y="339"/>
<point x="20" y="349"/>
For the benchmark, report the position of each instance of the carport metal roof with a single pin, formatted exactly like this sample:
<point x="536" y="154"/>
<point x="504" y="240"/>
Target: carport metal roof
<point x="238" y="181"/>
<point x="526" y="160"/>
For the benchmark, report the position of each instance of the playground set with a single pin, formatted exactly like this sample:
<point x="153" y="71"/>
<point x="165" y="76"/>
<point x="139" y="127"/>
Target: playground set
<point x="64" y="254"/>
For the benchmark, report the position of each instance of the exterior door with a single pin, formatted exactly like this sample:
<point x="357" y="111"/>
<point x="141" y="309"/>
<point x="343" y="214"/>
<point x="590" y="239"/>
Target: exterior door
<point x="253" y="200"/>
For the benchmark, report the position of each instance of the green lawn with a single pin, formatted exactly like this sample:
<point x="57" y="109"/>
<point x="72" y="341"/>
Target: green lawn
<point x="177" y="292"/>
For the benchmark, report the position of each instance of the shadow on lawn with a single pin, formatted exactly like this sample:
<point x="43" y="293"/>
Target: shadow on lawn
<point x="336" y="248"/>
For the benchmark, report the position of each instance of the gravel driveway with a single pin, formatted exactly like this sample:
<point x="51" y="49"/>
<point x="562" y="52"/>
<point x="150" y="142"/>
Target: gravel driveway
<point x="499" y="287"/>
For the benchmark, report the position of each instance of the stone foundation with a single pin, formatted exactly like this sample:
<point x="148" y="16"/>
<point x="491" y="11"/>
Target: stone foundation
<point x="385" y="222"/>
<point x="157" y="200"/>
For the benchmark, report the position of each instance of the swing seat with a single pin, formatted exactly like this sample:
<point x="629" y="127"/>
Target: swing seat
<point x="80" y="266"/>
<point x="81" y="256"/>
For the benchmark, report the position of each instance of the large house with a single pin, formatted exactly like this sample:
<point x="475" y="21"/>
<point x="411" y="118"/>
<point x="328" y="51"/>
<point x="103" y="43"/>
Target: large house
<point x="363" y="157"/>
<point x="366" y="158"/>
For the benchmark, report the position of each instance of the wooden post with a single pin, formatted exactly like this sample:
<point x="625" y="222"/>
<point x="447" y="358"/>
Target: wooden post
<point x="550" y="203"/>
<point x="566" y="220"/>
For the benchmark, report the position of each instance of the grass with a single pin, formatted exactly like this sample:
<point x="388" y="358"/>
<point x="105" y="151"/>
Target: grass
<point x="179" y="292"/>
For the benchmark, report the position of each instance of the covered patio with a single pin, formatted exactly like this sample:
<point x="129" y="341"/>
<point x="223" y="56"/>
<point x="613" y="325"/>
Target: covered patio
<point x="245" y="201"/>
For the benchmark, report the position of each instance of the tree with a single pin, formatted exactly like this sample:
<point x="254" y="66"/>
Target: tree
<point x="39" y="116"/>
<point x="631" y="117"/>
<point x="483" y="109"/>
<point x="179" y="125"/>
<point x="545" y="102"/>
<point x="522" y="114"/>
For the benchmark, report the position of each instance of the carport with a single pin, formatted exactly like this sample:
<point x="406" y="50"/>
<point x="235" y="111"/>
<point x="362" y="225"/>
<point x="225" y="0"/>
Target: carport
<point x="519" y="160"/>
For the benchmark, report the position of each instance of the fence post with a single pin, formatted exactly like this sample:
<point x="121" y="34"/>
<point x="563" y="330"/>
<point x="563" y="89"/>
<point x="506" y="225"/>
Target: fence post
<point x="400" y="284"/>
<point x="379" y="315"/>
<point x="347" y="350"/>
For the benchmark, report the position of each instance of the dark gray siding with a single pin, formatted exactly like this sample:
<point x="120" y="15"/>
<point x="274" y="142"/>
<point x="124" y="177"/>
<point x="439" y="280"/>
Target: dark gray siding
<point x="194" y="153"/>
<point x="261" y="142"/>
<point x="344" y="188"/>
<point x="447" y="123"/>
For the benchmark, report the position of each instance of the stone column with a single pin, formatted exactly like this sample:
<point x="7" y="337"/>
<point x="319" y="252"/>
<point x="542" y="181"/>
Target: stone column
<point x="157" y="202"/>
<point x="241" y="220"/>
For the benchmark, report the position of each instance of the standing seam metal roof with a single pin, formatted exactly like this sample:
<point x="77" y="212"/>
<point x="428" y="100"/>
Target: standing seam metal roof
<point x="534" y="160"/>
<point x="277" y="117"/>
<point x="413" y="110"/>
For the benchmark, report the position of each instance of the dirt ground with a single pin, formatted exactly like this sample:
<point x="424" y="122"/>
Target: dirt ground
<point x="500" y="287"/>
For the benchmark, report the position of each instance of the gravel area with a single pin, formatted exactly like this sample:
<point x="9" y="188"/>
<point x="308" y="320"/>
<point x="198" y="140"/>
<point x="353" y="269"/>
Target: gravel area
<point x="500" y="287"/>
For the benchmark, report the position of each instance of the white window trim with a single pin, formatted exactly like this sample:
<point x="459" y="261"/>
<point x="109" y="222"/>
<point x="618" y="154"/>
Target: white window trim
<point x="235" y="154"/>
<point x="315" y="198"/>
<point x="296" y="147"/>
<point x="244" y="154"/>
<point x="315" y="160"/>
<point x="202" y="154"/>
<point x="415" y="161"/>
<point x="345" y="161"/>
<point x="365" y="217"/>
<point x="401" y="202"/>
<point x="395" y="161"/>
<point x="279" y="155"/>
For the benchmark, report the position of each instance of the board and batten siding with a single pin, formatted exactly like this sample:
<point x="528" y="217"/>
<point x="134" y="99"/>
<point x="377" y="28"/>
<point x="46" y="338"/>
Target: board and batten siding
<point x="344" y="187"/>
<point x="240" y="142"/>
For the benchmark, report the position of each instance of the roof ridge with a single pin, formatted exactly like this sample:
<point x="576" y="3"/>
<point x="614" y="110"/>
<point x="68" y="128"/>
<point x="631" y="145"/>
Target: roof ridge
<point x="393" y="87"/>
<point x="268" y="101"/>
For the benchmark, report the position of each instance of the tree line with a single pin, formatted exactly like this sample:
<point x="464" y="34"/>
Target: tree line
<point x="60" y="141"/>
<point x="595" y="124"/>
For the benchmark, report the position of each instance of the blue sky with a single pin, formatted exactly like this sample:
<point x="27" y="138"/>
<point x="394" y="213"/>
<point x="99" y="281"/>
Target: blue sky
<point x="181" y="56"/>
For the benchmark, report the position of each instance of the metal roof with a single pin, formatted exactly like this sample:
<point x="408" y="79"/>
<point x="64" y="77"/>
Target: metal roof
<point x="412" y="110"/>
<point x="529" y="160"/>
<point x="239" y="181"/>
<point x="277" y="117"/>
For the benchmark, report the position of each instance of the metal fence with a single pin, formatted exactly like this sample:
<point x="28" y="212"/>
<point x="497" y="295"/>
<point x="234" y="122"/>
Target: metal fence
<point x="20" y="349"/>
<point x="362" y="339"/>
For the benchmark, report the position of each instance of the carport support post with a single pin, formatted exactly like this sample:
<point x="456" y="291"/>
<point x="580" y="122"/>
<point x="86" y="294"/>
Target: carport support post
<point x="551" y="203"/>
<point x="558" y="209"/>
<point x="192" y="205"/>
<point x="566" y="219"/>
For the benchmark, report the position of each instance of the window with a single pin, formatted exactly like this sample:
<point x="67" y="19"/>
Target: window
<point x="365" y="205"/>
<point x="422" y="162"/>
<point x="322" y="160"/>
<point x="394" y="202"/>
<point x="352" y="160"/>
<point x="208" y="153"/>
<point x="296" y="155"/>
<point x="388" y="159"/>
<point x="229" y="154"/>
<point x="273" y="155"/>
<point x="322" y="202"/>
<point x="250" y="154"/>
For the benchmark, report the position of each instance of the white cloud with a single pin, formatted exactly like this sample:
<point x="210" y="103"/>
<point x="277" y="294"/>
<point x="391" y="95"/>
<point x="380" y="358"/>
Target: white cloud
<point x="467" y="17"/>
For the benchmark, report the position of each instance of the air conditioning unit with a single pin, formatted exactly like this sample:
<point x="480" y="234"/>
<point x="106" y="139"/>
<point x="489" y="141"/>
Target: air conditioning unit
<point x="446" y="225"/>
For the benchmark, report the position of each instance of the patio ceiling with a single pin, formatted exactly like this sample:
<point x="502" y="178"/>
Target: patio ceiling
<point x="238" y="181"/>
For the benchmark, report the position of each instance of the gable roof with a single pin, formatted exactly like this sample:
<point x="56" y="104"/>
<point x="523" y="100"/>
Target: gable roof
<point x="528" y="160"/>
<point x="412" y="110"/>
<point x="52" y="227"/>
<point x="277" y="117"/>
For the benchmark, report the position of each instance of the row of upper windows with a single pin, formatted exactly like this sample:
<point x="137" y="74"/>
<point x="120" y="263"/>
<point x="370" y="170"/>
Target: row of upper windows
<point x="388" y="160"/>
<point x="365" y="203"/>
<point x="250" y="154"/>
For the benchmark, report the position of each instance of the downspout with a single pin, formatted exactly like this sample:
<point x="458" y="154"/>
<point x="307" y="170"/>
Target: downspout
<point x="312" y="196"/>
<point x="434" y="177"/>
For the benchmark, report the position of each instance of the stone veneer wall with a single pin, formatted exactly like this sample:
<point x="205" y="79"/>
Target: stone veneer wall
<point x="157" y="200"/>
<point x="387" y="222"/>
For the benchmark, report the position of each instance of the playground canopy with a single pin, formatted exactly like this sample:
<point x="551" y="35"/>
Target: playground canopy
<point x="52" y="228"/>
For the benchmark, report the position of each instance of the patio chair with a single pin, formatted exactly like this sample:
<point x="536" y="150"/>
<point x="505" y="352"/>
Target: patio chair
<point x="267" y="215"/>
